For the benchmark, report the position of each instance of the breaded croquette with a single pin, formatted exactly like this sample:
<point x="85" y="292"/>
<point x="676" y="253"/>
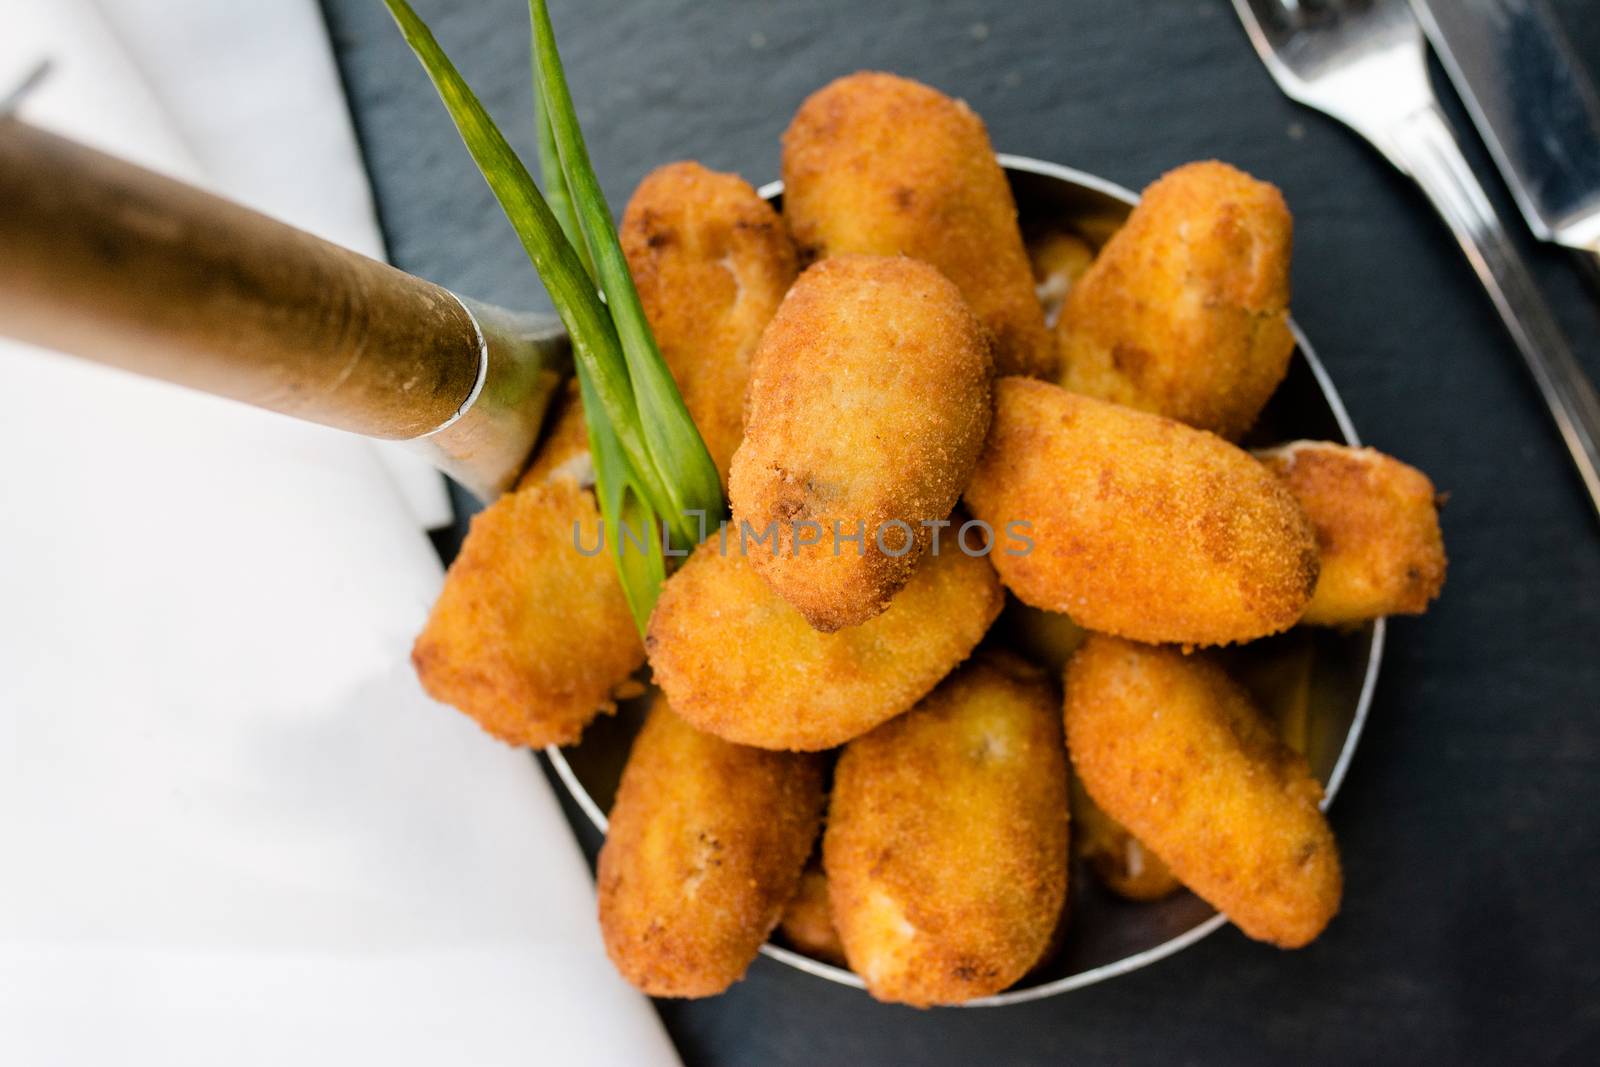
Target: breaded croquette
<point x="706" y="844"/>
<point x="807" y="922"/>
<point x="529" y="636"/>
<point x="1059" y="259"/>
<point x="1140" y="526"/>
<point x="1185" y="311"/>
<point x="1170" y="747"/>
<point x="737" y="661"/>
<point x="1377" y="525"/>
<point x="887" y="166"/>
<point x="1116" y="857"/>
<point x="563" y="453"/>
<point x="946" y="845"/>
<point x="868" y="405"/>
<point x="712" y="261"/>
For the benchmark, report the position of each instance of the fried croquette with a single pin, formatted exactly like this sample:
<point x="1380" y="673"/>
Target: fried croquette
<point x="807" y="922"/>
<point x="739" y="662"/>
<point x="946" y="844"/>
<point x="887" y="166"/>
<point x="1140" y="526"/>
<point x="1377" y="526"/>
<point x="1184" y="313"/>
<point x="563" y="453"/>
<point x="1059" y="259"/>
<point x="868" y="405"/>
<point x="712" y="261"/>
<point x="1118" y="860"/>
<point x="706" y="844"/>
<point x="1170" y="747"/>
<point x="528" y="636"/>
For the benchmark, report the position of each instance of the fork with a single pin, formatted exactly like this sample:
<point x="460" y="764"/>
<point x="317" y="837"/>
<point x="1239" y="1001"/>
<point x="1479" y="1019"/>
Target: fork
<point x="1362" y="62"/>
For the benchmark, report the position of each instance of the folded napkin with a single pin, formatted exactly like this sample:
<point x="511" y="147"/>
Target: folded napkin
<point x="233" y="828"/>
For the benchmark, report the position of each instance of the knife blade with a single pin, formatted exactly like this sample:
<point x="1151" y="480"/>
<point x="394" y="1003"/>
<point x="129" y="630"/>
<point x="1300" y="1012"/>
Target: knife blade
<point x="1533" y="105"/>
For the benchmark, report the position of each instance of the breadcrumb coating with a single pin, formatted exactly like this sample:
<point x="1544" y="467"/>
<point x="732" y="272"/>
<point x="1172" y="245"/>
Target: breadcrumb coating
<point x="706" y="845"/>
<point x="1120" y="862"/>
<point x="528" y="636"/>
<point x="1185" y="311"/>
<point x="1141" y="526"/>
<point x="867" y="407"/>
<point x="739" y="662"/>
<point x="807" y="922"/>
<point x="1170" y="747"/>
<point x="884" y="165"/>
<point x="1059" y="258"/>
<point x="946" y="845"/>
<point x="711" y="261"/>
<point x="563" y="453"/>
<point x="1377" y="526"/>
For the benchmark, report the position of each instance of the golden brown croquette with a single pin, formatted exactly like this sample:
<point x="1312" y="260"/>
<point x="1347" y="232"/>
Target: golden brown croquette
<point x="739" y="662"/>
<point x="1116" y="857"/>
<point x="946" y="845"/>
<point x="1140" y="526"/>
<point x="868" y="405"/>
<point x="1377" y="526"/>
<point x="528" y="636"/>
<point x="712" y="261"/>
<point x="887" y="166"/>
<point x="1184" y="312"/>
<point x="1170" y="747"/>
<point x="706" y="844"/>
<point x="807" y="922"/>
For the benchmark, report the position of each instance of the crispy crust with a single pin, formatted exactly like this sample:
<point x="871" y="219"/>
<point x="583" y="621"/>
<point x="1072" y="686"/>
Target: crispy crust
<point x="1059" y="258"/>
<point x="1172" y="748"/>
<point x="868" y="405"/>
<point x="884" y="165"/>
<point x="807" y="922"/>
<point x="946" y="846"/>
<point x="1377" y="525"/>
<point x="1185" y="311"/>
<point x="528" y="636"/>
<point x="737" y="661"/>
<point x="1141" y="526"/>
<point x="712" y="261"/>
<point x="706" y="845"/>
<point x="1117" y="858"/>
<point x="564" y="450"/>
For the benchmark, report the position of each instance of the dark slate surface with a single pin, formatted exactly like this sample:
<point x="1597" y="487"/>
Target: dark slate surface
<point x="1470" y="822"/>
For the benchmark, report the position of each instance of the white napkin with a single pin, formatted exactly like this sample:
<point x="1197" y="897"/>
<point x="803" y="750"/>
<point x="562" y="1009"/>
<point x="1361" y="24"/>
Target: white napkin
<point x="232" y="829"/>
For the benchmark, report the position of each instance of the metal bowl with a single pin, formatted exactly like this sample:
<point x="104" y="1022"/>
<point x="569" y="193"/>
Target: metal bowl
<point x="1107" y="936"/>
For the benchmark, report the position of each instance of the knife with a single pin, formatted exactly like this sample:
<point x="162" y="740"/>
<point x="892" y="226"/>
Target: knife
<point x="1535" y="109"/>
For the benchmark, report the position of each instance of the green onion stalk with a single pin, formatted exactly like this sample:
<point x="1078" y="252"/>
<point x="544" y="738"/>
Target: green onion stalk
<point x="652" y="470"/>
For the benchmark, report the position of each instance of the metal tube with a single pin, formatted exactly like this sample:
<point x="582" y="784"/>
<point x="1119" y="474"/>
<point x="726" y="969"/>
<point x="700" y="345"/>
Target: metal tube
<point x="108" y="261"/>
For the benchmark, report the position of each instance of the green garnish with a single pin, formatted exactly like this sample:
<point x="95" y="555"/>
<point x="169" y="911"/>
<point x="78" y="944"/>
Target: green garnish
<point x="652" y="470"/>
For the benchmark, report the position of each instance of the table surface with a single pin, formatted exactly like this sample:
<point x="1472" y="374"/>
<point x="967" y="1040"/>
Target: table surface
<point x="1470" y="822"/>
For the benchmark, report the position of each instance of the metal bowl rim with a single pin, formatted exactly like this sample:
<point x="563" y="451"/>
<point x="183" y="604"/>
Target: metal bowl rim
<point x="1195" y="933"/>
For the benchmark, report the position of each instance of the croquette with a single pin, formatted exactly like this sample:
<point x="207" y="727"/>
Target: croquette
<point x="739" y="662"/>
<point x="1172" y="748"/>
<point x="1139" y="526"/>
<point x="867" y="407"/>
<point x="1184" y="312"/>
<point x="807" y="922"/>
<point x="883" y="165"/>
<point x="1116" y="857"/>
<point x="563" y="453"/>
<point x="946" y="844"/>
<point x="530" y="637"/>
<point x="706" y="844"/>
<point x="1377" y="527"/>
<point x="1059" y="259"/>
<point x="711" y="261"/>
